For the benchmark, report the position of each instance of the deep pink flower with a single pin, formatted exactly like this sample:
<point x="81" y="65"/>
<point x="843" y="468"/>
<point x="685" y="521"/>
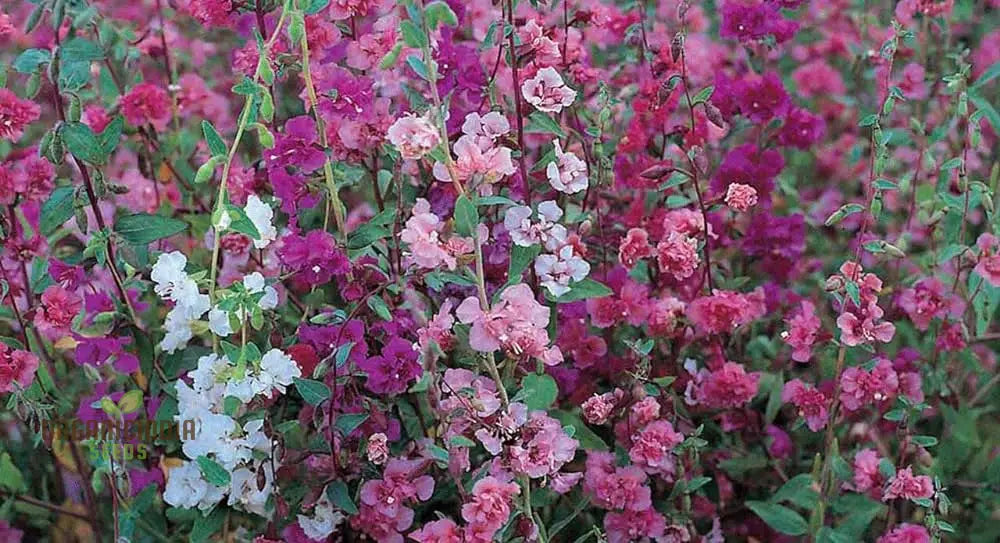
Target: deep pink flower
<point x="57" y="310"/>
<point x="15" y="115"/>
<point x="146" y="103"/>
<point x="740" y="197"/>
<point x="543" y="447"/>
<point x="803" y="328"/>
<point x="16" y="366"/>
<point x="906" y="533"/>
<point x="859" y="387"/>
<point x="677" y="255"/>
<point x="615" y="488"/>
<point x="490" y="504"/>
<point x="750" y="20"/>
<point x="988" y="266"/>
<point x="729" y="386"/>
<point x="651" y="447"/>
<point x="394" y="369"/>
<point x="297" y="146"/>
<point x="631" y="525"/>
<point x="634" y="247"/>
<point x="724" y="310"/>
<point x="210" y="12"/>
<point x="315" y="257"/>
<point x="810" y="403"/>
<point x="908" y="486"/>
<point x="927" y="300"/>
<point x="865" y="326"/>
<point x="801" y="129"/>
<point x="763" y="98"/>
<point x="867" y="477"/>
<point x="438" y="531"/>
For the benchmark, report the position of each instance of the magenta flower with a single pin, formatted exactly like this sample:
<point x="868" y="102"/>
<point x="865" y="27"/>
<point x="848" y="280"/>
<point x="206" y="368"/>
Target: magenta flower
<point x="860" y="387"/>
<point x="15" y="115"/>
<point x="394" y="369"/>
<point x="810" y="403"/>
<point x="908" y="486"/>
<point x="17" y="368"/>
<point x="297" y="146"/>
<point x="145" y="104"/>
<point x="906" y="533"/>
<point x="803" y="331"/>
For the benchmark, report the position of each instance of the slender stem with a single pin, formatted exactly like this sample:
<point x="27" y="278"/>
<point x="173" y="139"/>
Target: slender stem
<point x="512" y="51"/>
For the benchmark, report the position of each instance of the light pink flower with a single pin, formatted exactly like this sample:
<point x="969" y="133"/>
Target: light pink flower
<point x="517" y="324"/>
<point x="547" y="91"/>
<point x="866" y="474"/>
<point x="422" y="234"/>
<point x="677" y="255"/>
<point x="741" y="197"/>
<point x="567" y="173"/>
<point x="542" y="448"/>
<point x="524" y="232"/>
<point x="556" y="272"/>
<point x="908" y="486"/>
<point x="414" y="136"/>
<point x="634" y="247"/>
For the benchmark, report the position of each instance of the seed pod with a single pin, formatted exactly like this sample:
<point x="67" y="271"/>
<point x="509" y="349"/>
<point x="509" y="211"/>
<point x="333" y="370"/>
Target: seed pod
<point x="714" y="115"/>
<point x="677" y="46"/>
<point x="656" y="172"/>
<point x="75" y="110"/>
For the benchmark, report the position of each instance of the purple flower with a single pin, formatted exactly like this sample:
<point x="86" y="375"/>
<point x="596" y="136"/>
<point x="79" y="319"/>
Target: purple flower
<point x="315" y="257"/>
<point x="327" y="338"/>
<point x="393" y="370"/>
<point x="762" y="99"/>
<point x="801" y="129"/>
<point x="296" y="146"/>
<point x="753" y="20"/>
<point x="777" y="241"/>
<point x="749" y="165"/>
<point x="98" y="351"/>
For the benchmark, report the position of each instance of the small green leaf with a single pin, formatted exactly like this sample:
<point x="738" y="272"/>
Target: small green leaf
<point x="417" y="65"/>
<point x="316" y="6"/>
<point x="349" y="422"/>
<point x="82" y="142"/>
<point x="703" y="95"/>
<point x="520" y="259"/>
<point x="540" y="123"/>
<point x="438" y="12"/>
<point x="111" y="135"/>
<point x="10" y="476"/>
<point x="213" y="472"/>
<point x="80" y="50"/>
<point x="29" y="61"/>
<point x="339" y="495"/>
<point x="466" y="216"/>
<point x="538" y="391"/>
<point x="143" y="228"/>
<point x="216" y="145"/>
<point x="779" y="517"/>
<point x="412" y="35"/>
<point x="842" y="213"/>
<point x="313" y="392"/>
<point x="583" y="290"/>
<point x="56" y="210"/>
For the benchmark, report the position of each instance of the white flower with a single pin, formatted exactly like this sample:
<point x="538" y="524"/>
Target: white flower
<point x="557" y="271"/>
<point x="186" y="488"/>
<point x="277" y="370"/>
<point x="255" y="283"/>
<point x="567" y="173"/>
<point x="244" y="390"/>
<point x="526" y="233"/>
<point x="205" y="376"/>
<point x="211" y="437"/>
<point x="491" y="126"/>
<point x="260" y="215"/>
<point x="323" y="521"/>
<point x="243" y="490"/>
<point x="218" y="322"/>
<point x="178" y="330"/>
<point x="168" y="272"/>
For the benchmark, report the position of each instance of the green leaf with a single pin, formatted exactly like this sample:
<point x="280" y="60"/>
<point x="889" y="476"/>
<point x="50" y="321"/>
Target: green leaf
<point x="438" y="12"/>
<point x="582" y="290"/>
<point x="466" y="216"/>
<point x="205" y="526"/>
<point x="29" y="61"/>
<point x="417" y="65"/>
<point x="925" y="441"/>
<point x="412" y="35"/>
<point x="984" y="105"/>
<point x="540" y="123"/>
<point x="799" y="491"/>
<point x="842" y="213"/>
<point x="868" y="120"/>
<point x="339" y="495"/>
<point x="216" y="145"/>
<point x="520" y="259"/>
<point x="241" y="222"/>
<point x="110" y="136"/>
<point x="80" y="50"/>
<point x="378" y="305"/>
<point x="538" y="391"/>
<point x="317" y="6"/>
<point x="988" y="75"/>
<point x="143" y="228"/>
<point x="390" y="58"/>
<point x="10" y="476"/>
<point x="81" y="141"/>
<point x="703" y="95"/>
<point x="56" y="210"/>
<point x="581" y="432"/>
<point x="349" y="422"/>
<point x="213" y="472"/>
<point x="365" y="235"/>
<point x="779" y="517"/>
<point x="313" y="392"/>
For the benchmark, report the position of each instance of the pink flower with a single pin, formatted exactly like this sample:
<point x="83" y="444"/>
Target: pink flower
<point x="927" y="300"/>
<point x="567" y="173"/>
<point x="438" y="531"/>
<point x="15" y="115"/>
<point x="547" y="231"/>
<point x="556" y="272"/>
<point x="729" y="386"/>
<point x="864" y="327"/>
<point x="866" y="474"/>
<point x="677" y="255"/>
<point x="438" y="329"/>
<point x="598" y="407"/>
<point x="490" y="505"/>
<point x="908" y="486"/>
<point x="763" y="98"/>
<point x="803" y="329"/>
<point x="517" y="324"/>
<point x="724" y="310"/>
<point x="547" y="91"/>
<point x="740" y="197"/>
<point x="906" y="533"/>
<point x="810" y="403"/>
<point x="16" y="366"/>
<point x="665" y="315"/>
<point x="651" y="447"/>
<point x="634" y="247"/>
<point x="615" y="488"/>
<point x="490" y="162"/>
<point x="414" y="136"/>
<point x="988" y="266"/>
<point x="859" y="387"/>
<point x="422" y="234"/>
<point x="56" y="312"/>
<point x="210" y="12"/>
<point x="400" y="485"/>
<point x="543" y="447"/>
<point x="345" y="9"/>
<point x="630" y="525"/>
<point x="145" y="104"/>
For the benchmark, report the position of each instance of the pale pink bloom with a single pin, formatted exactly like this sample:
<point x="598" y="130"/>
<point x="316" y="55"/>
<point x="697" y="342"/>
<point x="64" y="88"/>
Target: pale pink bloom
<point x="563" y="482"/>
<point x="597" y="408"/>
<point x="741" y="197"/>
<point x="612" y="487"/>
<point x="547" y="91"/>
<point x="688" y="222"/>
<point x="517" y="324"/>
<point x="491" y="126"/>
<point x="567" y="173"/>
<point x="438" y="329"/>
<point x="543" y="447"/>
<point x="490" y="164"/>
<point x="546" y="231"/>
<point x="490" y="505"/>
<point x="422" y="234"/>
<point x="556" y="272"/>
<point x="545" y="52"/>
<point x="859" y="388"/>
<point x="988" y="266"/>
<point x="484" y="398"/>
<point x="677" y="255"/>
<point x="504" y="426"/>
<point x="865" y="328"/>
<point x="664" y="316"/>
<point x="378" y="448"/>
<point x="634" y="247"/>
<point x="908" y="486"/>
<point x="414" y="136"/>
<point x="803" y="329"/>
<point x="866" y="473"/>
<point x="438" y="531"/>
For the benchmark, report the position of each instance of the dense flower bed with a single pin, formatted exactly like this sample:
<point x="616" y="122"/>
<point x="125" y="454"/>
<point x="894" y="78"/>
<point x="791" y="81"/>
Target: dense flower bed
<point x="468" y="271"/>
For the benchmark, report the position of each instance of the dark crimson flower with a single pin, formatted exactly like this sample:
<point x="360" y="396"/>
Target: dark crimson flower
<point x="763" y="98"/>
